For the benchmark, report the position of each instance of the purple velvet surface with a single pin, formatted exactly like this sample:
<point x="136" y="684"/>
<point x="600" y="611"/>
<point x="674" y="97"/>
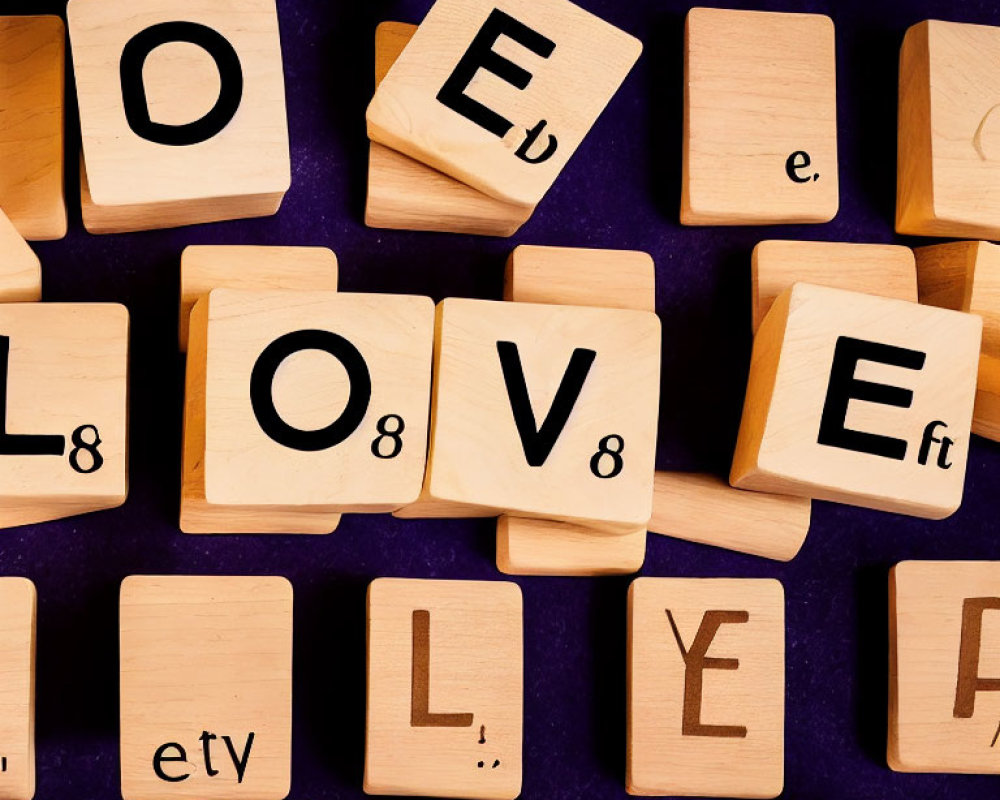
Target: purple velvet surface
<point x="620" y="190"/>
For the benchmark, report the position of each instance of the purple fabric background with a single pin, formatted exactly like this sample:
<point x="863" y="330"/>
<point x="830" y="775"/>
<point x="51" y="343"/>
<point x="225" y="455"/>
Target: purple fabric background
<point x="621" y="190"/>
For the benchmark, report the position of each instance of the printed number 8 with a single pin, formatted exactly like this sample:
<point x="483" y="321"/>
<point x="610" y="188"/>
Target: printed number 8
<point x="605" y="449"/>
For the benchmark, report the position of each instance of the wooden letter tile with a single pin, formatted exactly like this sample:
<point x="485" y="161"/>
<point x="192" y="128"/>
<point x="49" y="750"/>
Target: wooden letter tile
<point x="445" y="689"/>
<point x="861" y="400"/>
<point x="706" y="687"/>
<point x="760" y="118"/>
<point x="182" y="109"/>
<point x="303" y="405"/>
<point x="545" y="547"/>
<point x="406" y="194"/>
<point x="20" y="269"/>
<point x="63" y="410"/>
<point x="17" y="692"/>
<point x="206" y="687"/>
<point x="944" y="709"/>
<point x="499" y="94"/>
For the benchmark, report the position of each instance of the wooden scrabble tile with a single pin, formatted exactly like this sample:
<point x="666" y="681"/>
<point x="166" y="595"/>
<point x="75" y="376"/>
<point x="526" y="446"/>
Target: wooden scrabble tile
<point x="445" y="689"/>
<point x="207" y="267"/>
<point x="303" y="405"/>
<point x="760" y="118"/>
<point x="500" y="94"/>
<point x="944" y="659"/>
<point x="546" y="411"/>
<point x="882" y="269"/>
<point x="965" y="276"/>
<point x="861" y="400"/>
<point x="544" y="547"/>
<point x="63" y="410"/>
<point x="32" y="90"/>
<point x="206" y="687"/>
<point x="406" y="194"/>
<point x="20" y="269"/>
<point x="706" y="687"/>
<point x="949" y="135"/>
<point x="17" y="692"/>
<point x="182" y="111"/>
<point x="706" y="509"/>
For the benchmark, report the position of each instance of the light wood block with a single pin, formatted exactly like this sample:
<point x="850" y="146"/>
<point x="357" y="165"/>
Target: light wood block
<point x="203" y="144"/>
<point x="860" y="400"/>
<point x="17" y="692"/>
<point x="603" y="367"/>
<point x="405" y="194"/>
<point x="32" y="93"/>
<point x="543" y="547"/>
<point x="706" y="687"/>
<point x="965" y="276"/>
<point x="706" y="509"/>
<point x="206" y="687"/>
<point x="445" y="689"/>
<point x="66" y="375"/>
<point x="341" y="426"/>
<point x="20" y="269"/>
<point x="207" y="267"/>
<point x="881" y="269"/>
<point x="949" y="135"/>
<point x="760" y="118"/>
<point x="944" y="633"/>
<point x="561" y="67"/>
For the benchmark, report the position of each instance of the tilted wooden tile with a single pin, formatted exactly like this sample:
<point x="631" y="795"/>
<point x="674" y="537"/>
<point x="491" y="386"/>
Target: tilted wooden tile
<point x="546" y="411"/>
<point x="544" y="547"/>
<point x="944" y="633"/>
<point x="881" y="269"/>
<point x="760" y="118"/>
<point x="706" y="509"/>
<point x="406" y="194"/>
<point x="706" y="687"/>
<point x="32" y="92"/>
<point x="948" y="180"/>
<point x="861" y="400"/>
<point x="182" y="112"/>
<point x="63" y="410"/>
<point x="314" y="403"/>
<point x="207" y="267"/>
<point x="445" y="689"/>
<point x="20" y="269"/>
<point x="206" y="687"/>
<point x="17" y="692"/>
<point x="509" y="134"/>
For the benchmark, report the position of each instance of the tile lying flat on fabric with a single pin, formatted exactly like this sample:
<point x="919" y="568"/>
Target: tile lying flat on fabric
<point x="543" y="547"/>
<point x="182" y="111"/>
<point x="445" y="689"/>
<point x="760" y="118"/>
<point x="20" y="269"/>
<point x="18" y="602"/>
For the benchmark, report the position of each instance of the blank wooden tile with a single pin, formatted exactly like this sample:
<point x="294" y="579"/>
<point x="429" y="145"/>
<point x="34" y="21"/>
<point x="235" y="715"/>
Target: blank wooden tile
<point x="949" y="135"/>
<point x="575" y="61"/>
<point x="706" y="687"/>
<point x="341" y="426"/>
<point x="406" y="194"/>
<point x="861" y="400"/>
<point x="66" y="387"/>
<point x="543" y="547"/>
<point x="17" y="692"/>
<point x="189" y="145"/>
<point x="207" y="267"/>
<point x="206" y="668"/>
<point x="760" y="118"/>
<point x="20" y="269"/>
<point x="706" y="509"/>
<point x="882" y="269"/>
<point x="32" y="89"/>
<point x="445" y="689"/>
<point x="944" y="633"/>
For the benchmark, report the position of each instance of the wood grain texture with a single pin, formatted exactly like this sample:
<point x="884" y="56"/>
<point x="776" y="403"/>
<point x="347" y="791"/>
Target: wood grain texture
<point x="207" y="267"/>
<point x="32" y="112"/>
<point x="759" y="87"/>
<point x="20" y="269"/>
<point x="467" y="742"/>
<point x="939" y="719"/>
<point x="708" y="719"/>
<point x="18" y="602"/>
<point x="568" y="90"/>
<point x="778" y="448"/>
<point x="543" y="547"/>
<point x="206" y="654"/>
